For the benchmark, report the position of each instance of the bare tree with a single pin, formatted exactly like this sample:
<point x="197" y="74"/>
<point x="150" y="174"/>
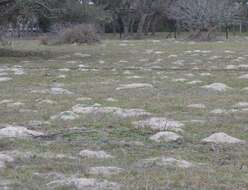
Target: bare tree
<point x="202" y="17"/>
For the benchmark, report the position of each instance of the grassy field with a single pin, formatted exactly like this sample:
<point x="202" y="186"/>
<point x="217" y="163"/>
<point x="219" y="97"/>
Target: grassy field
<point x="170" y="76"/>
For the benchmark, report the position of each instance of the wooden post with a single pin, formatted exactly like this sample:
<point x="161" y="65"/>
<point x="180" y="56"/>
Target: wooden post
<point x="227" y="36"/>
<point x="175" y="31"/>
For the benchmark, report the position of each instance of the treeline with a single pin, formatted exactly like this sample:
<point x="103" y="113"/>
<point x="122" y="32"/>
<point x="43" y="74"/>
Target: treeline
<point x="128" y="16"/>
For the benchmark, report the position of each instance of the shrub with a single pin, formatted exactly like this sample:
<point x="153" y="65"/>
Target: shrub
<point x="81" y="34"/>
<point x="43" y="40"/>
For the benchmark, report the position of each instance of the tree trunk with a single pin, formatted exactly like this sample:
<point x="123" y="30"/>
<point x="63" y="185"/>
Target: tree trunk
<point x="126" y="30"/>
<point x="141" y="24"/>
<point x="154" y="25"/>
<point x="132" y="25"/>
<point x="240" y="27"/>
<point x="148" y="25"/>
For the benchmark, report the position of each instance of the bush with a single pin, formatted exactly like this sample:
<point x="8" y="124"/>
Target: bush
<point x="81" y="34"/>
<point x="43" y="40"/>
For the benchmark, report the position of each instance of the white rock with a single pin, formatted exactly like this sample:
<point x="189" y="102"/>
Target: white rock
<point x="205" y="74"/>
<point x="159" y="52"/>
<point x="60" y="91"/>
<point x="111" y="100"/>
<point x="241" y="105"/>
<point x="83" y="55"/>
<point x="123" y="61"/>
<point x="214" y="57"/>
<point x="165" y="162"/>
<point x="133" y="86"/>
<point x="3" y="74"/>
<point x="36" y="123"/>
<point x="105" y="171"/>
<point x="84" y="99"/>
<point x="231" y="67"/>
<point x="66" y="115"/>
<point x="166" y="137"/>
<point x="220" y="87"/>
<point x="160" y="123"/>
<point x="4" y="159"/>
<point x="85" y="184"/>
<point x="244" y="76"/>
<point x="229" y="52"/>
<point x="3" y="79"/>
<point x="71" y="62"/>
<point x="122" y="44"/>
<point x="194" y="82"/>
<point x="15" y="104"/>
<point x="179" y="62"/>
<point x="61" y="76"/>
<point x="173" y="56"/>
<point x="18" y="132"/>
<point x="219" y="111"/>
<point x="245" y="89"/>
<point x="95" y="154"/>
<point x="47" y="101"/>
<point x="199" y="106"/>
<point x="134" y="77"/>
<point x="179" y="80"/>
<point x="6" y="101"/>
<point x="119" y="112"/>
<point x="19" y="72"/>
<point x="222" y="138"/>
<point x="198" y="121"/>
<point x="64" y="70"/>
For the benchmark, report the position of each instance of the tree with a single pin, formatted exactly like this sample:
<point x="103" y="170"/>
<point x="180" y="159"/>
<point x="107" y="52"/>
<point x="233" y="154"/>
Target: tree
<point x="134" y="15"/>
<point x="202" y="17"/>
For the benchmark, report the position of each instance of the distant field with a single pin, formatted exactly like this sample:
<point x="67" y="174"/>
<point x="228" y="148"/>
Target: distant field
<point x="114" y="97"/>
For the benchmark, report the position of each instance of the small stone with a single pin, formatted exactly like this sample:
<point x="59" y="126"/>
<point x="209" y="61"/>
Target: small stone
<point x="3" y="74"/>
<point x="4" y="159"/>
<point x="60" y="91"/>
<point x="179" y="80"/>
<point x="64" y="70"/>
<point x="164" y="162"/>
<point x="134" y="86"/>
<point x="244" y="76"/>
<point x="3" y="79"/>
<point x="66" y="115"/>
<point x="85" y="184"/>
<point x="160" y="123"/>
<point x="18" y="132"/>
<point x="111" y="100"/>
<point x="205" y="74"/>
<point x="6" y="101"/>
<point x="198" y="106"/>
<point x="241" y="105"/>
<point x="15" y="104"/>
<point x="84" y="99"/>
<point x="94" y="154"/>
<point x="222" y="138"/>
<point x="219" y="111"/>
<point x="220" y="87"/>
<point x="47" y="101"/>
<point x="166" y="137"/>
<point x="194" y="82"/>
<point x="105" y="171"/>
<point x="83" y="55"/>
<point x="119" y="112"/>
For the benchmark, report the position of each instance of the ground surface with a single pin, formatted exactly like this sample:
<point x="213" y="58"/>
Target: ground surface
<point x="92" y="97"/>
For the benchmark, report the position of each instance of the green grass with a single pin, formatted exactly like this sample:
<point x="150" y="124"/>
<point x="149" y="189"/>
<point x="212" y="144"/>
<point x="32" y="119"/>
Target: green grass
<point x="224" y="167"/>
